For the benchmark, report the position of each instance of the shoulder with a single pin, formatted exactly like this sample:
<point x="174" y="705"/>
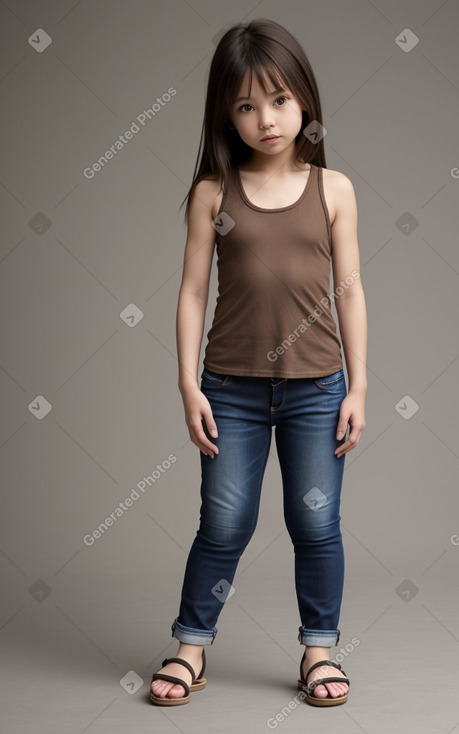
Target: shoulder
<point x="339" y="192"/>
<point x="208" y="191"/>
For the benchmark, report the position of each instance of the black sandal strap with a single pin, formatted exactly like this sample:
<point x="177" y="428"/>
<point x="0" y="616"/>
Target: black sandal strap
<point x="203" y="664"/>
<point x="182" y="662"/>
<point x="324" y="662"/>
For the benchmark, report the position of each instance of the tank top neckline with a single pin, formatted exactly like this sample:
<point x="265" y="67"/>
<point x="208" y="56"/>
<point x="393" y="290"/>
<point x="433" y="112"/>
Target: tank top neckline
<point x="277" y="209"/>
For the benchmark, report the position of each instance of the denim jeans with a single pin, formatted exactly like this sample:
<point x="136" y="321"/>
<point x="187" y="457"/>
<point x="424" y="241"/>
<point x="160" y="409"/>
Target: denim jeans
<point x="305" y="414"/>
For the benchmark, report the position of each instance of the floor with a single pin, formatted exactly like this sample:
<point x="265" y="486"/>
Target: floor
<point x="68" y="669"/>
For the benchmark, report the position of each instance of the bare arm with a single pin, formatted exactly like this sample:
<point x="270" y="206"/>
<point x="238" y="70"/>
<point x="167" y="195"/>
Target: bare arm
<point x="351" y="310"/>
<point x="191" y="309"/>
<point x="353" y="327"/>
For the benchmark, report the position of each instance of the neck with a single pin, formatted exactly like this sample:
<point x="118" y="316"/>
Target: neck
<point x="271" y="165"/>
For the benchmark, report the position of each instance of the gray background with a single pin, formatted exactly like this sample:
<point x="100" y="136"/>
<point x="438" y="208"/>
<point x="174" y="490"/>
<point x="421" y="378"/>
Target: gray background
<point x="76" y="619"/>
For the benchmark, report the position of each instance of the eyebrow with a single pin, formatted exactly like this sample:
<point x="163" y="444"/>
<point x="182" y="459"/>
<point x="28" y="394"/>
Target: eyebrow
<point x="271" y="94"/>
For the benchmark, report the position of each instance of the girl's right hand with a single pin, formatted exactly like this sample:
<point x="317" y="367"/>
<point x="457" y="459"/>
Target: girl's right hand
<point x="197" y="409"/>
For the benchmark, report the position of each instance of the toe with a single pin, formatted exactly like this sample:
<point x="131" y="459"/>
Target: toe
<point x="333" y="690"/>
<point x="337" y="689"/>
<point x="320" y="691"/>
<point x="176" y="691"/>
<point x="162" y="688"/>
<point x="159" y="687"/>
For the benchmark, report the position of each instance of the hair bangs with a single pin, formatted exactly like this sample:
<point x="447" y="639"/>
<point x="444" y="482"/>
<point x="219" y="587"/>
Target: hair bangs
<point x="265" y="69"/>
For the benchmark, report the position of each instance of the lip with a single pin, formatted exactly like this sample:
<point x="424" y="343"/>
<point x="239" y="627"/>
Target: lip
<point x="270" y="139"/>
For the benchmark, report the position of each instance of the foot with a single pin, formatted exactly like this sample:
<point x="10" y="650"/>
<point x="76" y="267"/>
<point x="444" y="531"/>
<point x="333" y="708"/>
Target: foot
<point x="193" y="655"/>
<point x="334" y="690"/>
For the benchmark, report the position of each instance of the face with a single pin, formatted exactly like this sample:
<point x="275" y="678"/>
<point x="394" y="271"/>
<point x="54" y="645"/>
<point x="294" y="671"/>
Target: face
<point x="275" y="113"/>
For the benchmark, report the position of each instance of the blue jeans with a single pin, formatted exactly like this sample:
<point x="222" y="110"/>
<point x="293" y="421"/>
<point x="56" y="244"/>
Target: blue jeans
<point x="305" y="414"/>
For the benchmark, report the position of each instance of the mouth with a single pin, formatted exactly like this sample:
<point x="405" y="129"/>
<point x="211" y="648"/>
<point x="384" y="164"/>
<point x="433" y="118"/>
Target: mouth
<point x="270" y="137"/>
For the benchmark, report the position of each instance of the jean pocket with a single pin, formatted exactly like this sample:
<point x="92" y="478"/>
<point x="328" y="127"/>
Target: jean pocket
<point x="215" y="379"/>
<point x="330" y="380"/>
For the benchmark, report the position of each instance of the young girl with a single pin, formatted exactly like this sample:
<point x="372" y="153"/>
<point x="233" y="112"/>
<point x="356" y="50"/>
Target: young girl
<point x="273" y="357"/>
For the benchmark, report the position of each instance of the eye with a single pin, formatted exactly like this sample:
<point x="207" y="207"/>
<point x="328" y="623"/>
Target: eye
<point x="242" y="107"/>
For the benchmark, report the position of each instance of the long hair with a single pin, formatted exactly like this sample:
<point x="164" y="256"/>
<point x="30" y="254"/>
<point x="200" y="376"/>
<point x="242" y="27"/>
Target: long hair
<point x="262" y="47"/>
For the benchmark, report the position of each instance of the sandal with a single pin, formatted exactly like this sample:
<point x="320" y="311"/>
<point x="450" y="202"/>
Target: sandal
<point x="197" y="683"/>
<point x="309" y="688"/>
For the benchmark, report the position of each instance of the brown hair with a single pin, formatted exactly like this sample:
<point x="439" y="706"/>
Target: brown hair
<point x="261" y="47"/>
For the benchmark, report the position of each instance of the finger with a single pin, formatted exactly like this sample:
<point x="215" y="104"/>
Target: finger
<point x="197" y="435"/>
<point x="200" y="439"/>
<point x="352" y="441"/>
<point x="210" y="423"/>
<point x="209" y="449"/>
<point x="342" y="426"/>
<point x="343" y="449"/>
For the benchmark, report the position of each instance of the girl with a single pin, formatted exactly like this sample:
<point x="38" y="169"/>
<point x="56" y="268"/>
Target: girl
<point x="263" y="193"/>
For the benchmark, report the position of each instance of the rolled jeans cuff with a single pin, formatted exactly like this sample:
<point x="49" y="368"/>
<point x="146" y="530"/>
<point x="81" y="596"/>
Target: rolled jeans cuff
<point x="192" y="636"/>
<point x="318" y="638"/>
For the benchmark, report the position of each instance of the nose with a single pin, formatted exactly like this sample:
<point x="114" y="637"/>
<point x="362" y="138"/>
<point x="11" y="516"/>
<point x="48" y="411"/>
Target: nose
<point x="266" y="118"/>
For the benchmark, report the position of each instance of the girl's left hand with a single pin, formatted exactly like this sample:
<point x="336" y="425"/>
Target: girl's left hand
<point x="352" y="412"/>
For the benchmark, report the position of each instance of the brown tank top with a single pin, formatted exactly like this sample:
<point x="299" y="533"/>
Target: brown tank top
<point x="273" y="312"/>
